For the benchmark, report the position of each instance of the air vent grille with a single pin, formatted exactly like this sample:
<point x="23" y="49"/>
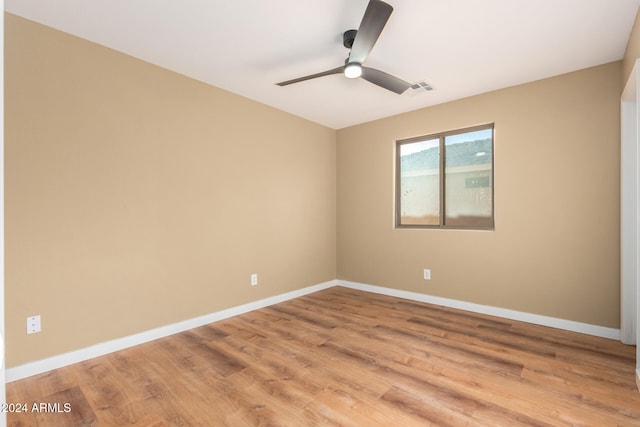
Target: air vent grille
<point x="420" y="87"/>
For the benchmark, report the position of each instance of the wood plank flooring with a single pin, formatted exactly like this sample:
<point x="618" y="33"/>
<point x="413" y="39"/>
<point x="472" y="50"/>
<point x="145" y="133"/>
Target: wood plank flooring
<point x="342" y="357"/>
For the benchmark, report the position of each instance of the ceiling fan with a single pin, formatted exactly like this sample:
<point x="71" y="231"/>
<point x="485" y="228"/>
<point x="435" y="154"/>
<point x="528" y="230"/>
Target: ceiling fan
<point x="361" y="41"/>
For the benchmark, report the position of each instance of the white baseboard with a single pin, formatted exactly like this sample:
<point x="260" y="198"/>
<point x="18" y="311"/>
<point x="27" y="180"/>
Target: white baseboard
<point x="537" y="319"/>
<point x="61" y="360"/>
<point x="65" y="359"/>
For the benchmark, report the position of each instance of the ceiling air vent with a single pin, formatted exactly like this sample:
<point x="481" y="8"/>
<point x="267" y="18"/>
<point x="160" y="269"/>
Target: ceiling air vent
<point x="419" y="87"/>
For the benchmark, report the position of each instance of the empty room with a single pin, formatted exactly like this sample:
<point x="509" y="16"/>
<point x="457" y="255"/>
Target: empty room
<point x="347" y="212"/>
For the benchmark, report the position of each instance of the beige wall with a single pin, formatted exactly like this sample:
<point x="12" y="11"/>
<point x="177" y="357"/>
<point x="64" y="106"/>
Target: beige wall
<point x="136" y="197"/>
<point x="555" y="249"/>
<point x="633" y="50"/>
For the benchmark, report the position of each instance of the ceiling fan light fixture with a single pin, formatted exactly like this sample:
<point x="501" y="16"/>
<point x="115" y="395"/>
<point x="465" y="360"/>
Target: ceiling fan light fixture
<point x="360" y="42"/>
<point x="352" y="70"/>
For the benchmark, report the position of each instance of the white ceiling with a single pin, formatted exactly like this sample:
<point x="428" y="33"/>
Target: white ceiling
<point x="461" y="47"/>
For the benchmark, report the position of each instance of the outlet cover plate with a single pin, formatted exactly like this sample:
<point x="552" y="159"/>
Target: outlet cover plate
<point x="33" y="324"/>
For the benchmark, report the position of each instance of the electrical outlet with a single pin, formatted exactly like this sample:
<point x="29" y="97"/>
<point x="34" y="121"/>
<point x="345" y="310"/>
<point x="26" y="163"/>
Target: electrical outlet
<point x="254" y="279"/>
<point x="33" y="324"/>
<point x="427" y="274"/>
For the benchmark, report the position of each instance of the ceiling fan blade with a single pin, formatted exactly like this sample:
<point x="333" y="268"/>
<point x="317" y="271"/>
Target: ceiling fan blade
<point x="337" y="70"/>
<point x="385" y="80"/>
<point x="373" y="21"/>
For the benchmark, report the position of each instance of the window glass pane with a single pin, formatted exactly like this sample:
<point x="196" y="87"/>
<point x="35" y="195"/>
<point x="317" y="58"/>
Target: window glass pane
<point x="420" y="183"/>
<point x="468" y="179"/>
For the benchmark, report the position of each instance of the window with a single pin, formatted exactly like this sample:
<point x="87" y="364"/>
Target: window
<point x="446" y="180"/>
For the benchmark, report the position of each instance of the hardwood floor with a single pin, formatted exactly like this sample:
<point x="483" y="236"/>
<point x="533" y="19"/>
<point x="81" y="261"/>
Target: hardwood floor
<point x="346" y="357"/>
